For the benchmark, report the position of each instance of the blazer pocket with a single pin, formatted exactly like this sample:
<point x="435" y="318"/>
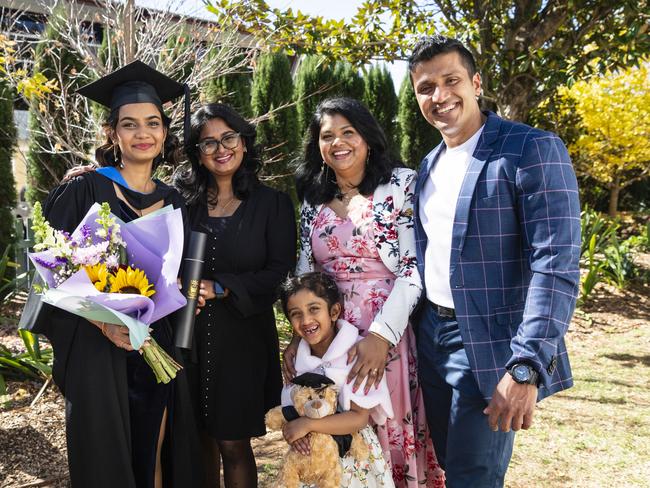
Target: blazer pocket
<point x="512" y="314"/>
<point x="500" y="200"/>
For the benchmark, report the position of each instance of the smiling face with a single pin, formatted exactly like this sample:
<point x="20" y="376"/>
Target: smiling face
<point x="342" y="147"/>
<point x="447" y="95"/>
<point x="223" y="162"/>
<point x="140" y="132"/>
<point x="313" y="319"/>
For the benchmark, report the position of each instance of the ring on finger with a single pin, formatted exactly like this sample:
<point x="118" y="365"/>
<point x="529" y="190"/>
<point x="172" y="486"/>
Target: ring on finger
<point x="374" y="371"/>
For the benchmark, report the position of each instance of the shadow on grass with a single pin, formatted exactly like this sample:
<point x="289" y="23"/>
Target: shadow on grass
<point x="604" y="400"/>
<point x="629" y="360"/>
<point x="609" y="382"/>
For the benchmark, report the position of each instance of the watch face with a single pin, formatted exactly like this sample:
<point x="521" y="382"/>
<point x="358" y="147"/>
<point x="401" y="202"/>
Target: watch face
<point x="521" y="372"/>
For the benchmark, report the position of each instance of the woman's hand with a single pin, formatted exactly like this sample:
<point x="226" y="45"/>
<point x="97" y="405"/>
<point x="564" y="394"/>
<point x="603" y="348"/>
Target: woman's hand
<point x="296" y="429"/>
<point x="289" y="359"/>
<point x="207" y="290"/>
<point x="117" y="334"/>
<point x="77" y="171"/>
<point x="371" y="354"/>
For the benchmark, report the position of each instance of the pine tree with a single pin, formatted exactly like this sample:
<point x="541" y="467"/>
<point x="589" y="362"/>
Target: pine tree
<point x="417" y="136"/>
<point x="234" y="89"/>
<point x="7" y="183"/>
<point x="314" y="82"/>
<point x="55" y="61"/>
<point x="349" y="82"/>
<point x="379" y="96"/>
<point x="272" y="88"/>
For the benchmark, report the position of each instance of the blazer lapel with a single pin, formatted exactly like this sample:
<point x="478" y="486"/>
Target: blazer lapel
<point x="479" y="158"/>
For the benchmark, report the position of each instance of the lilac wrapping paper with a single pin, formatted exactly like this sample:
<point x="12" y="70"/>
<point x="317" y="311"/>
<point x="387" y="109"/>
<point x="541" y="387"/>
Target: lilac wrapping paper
<point x="154" y="244"/>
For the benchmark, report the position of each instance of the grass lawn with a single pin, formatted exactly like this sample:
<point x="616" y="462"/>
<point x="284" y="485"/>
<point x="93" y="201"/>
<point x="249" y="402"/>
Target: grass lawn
<point x="596" y="434"/>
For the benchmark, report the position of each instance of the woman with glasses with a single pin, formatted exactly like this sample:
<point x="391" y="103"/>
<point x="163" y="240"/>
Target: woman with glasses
<point x="235" y="376"/>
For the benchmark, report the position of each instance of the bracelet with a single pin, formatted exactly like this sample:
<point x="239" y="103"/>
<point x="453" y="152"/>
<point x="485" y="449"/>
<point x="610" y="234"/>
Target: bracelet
<point x="390" y="344"/>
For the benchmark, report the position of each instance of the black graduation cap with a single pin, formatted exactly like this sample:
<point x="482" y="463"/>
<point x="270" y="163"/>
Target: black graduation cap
<point x="312" y="380"/>
<point x="138" y="83"/>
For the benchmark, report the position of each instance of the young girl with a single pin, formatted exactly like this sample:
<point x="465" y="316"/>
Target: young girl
<point x="312" y="304"/>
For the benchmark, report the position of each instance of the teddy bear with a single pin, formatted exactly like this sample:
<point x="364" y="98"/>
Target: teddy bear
<point x="314" y="396"/>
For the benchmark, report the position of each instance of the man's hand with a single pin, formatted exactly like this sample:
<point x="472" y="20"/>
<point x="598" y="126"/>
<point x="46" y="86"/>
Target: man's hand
<point x="371" y="354"/>
<point x="512" y="405"/>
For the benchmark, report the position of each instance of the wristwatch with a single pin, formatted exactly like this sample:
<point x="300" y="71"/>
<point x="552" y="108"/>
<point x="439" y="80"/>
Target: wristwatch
<point x="218" y="290"/>
<point x="524" y="374"/>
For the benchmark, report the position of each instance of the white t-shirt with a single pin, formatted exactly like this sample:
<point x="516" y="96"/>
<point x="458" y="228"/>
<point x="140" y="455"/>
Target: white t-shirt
<point x="437" y="211"/>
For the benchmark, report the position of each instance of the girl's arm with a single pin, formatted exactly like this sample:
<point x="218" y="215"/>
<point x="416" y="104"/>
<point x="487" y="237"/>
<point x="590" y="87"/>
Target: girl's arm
<point x="337" y="424"/>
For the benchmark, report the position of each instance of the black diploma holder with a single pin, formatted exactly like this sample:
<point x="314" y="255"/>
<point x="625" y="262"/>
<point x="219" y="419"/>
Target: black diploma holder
<point x="191" y="281"/>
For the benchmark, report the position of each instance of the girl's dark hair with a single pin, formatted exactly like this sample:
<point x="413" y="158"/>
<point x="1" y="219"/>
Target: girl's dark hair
<point x="193" y="182"/>
<point x="320" y="284"/>
<point x="105" y="154"/>
<point x="314" y="182"/>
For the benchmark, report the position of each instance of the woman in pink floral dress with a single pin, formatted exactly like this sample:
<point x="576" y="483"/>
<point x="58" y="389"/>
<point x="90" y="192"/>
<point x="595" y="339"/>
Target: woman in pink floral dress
<point x="357" y="226"/>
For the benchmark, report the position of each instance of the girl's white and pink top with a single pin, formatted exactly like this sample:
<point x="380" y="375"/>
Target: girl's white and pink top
<point x="333" y="365"/>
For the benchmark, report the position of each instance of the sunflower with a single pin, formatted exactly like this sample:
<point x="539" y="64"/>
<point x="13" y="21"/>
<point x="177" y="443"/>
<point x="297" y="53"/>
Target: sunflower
<point x="131" y="280"/>
<point x="98" y="274"/>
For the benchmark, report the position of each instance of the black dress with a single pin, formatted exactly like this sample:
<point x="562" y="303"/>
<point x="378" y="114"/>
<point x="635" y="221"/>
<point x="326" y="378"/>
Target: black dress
<point x="237" y="378"/>
<point x="113" y="405"/>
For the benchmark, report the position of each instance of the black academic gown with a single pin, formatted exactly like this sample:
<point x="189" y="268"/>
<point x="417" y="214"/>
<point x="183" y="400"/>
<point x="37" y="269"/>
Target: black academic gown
<point x="91" y="373"/>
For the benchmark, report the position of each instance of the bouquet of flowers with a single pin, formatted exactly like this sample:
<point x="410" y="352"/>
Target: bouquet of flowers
<point x="115" y="272"/>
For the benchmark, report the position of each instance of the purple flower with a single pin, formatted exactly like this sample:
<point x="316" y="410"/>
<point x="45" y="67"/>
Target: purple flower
<point x="44" y="263"/>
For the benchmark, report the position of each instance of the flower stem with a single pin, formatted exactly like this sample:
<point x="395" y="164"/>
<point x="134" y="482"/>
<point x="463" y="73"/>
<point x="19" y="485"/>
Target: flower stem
<point x="162" y="364"/>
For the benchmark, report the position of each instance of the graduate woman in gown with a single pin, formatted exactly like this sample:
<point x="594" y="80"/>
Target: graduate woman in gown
<point x="123" y="429"/>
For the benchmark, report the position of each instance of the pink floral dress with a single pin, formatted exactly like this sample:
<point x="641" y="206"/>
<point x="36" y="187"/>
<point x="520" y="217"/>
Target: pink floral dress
<point x="345" y="249"/>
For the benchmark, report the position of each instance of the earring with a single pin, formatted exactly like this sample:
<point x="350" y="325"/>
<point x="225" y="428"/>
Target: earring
<point x="368" y="157"/>
<point x="116" y="155"/>
<point x="325" y="172"/>
<point x="163" y="151"/>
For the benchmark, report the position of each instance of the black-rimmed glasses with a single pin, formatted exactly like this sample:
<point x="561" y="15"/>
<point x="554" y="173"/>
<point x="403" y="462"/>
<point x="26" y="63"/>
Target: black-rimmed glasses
<point x="211" y="146"/>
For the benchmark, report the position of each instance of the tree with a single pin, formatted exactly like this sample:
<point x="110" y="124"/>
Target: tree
<point x="234" y="89"/>
<point x="277" y="131"/>
<point x="379" y="96"/>
<point x="348" y="82"/>
<point x="128" y="32"/>
<point x="418" y="138"/>
<point x="524" y="50"/>
<point x="313" y="81"/>
<point x="47" y="162"/>
<point x="614" y="142"/>
<point x="7" y="183"/>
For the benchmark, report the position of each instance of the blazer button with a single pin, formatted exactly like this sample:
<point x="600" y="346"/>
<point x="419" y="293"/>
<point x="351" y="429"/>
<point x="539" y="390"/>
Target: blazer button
<point x="551" y="367"/>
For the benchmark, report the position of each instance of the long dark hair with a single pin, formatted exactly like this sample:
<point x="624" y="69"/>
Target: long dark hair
<point x="105" y="155"/>
<point x="193" y="182"/>
<point x="314" y="182"/>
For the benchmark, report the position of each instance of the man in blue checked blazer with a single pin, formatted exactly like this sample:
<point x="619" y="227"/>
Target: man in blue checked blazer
<point x="498" y="241"/>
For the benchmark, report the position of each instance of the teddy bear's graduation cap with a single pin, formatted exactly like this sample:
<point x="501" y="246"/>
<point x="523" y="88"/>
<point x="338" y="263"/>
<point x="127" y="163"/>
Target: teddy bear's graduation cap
<point x="312" y="380"/>
<point x="138" y="83"/>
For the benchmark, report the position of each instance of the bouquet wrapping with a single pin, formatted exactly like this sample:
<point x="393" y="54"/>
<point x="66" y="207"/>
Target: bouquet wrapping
<point x="115" y="272"/>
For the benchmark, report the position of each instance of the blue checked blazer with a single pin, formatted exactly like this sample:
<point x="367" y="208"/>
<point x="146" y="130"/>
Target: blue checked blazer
<point x="514" y="256"/>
